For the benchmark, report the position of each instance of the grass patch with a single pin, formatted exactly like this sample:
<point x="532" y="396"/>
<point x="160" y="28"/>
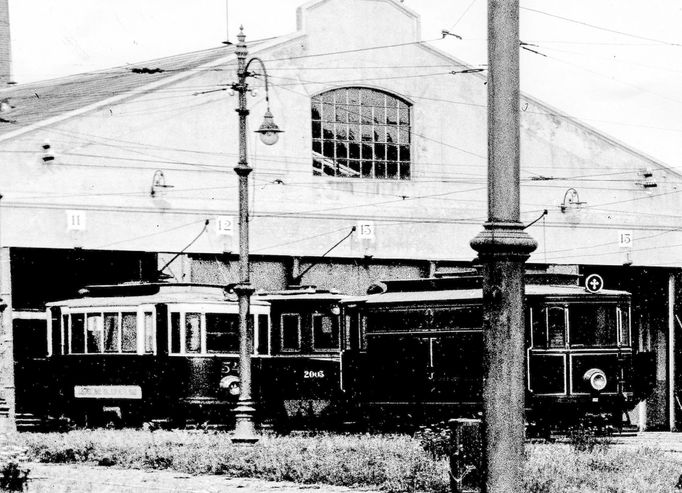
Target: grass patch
<point x="391" y="463"/>
<point x="561" y="468"/>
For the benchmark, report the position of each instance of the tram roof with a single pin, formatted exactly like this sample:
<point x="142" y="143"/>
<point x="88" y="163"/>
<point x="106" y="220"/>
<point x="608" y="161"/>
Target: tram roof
<point x="132" y="294"/>
<point x="532" y="290"/>
<point x="306" y="294"/>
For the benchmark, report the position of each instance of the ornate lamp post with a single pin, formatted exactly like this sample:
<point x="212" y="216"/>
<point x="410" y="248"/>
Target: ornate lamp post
<point x="244" y="431"/>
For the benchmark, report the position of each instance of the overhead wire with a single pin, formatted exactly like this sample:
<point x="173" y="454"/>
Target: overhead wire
<point x="601" y="28"/>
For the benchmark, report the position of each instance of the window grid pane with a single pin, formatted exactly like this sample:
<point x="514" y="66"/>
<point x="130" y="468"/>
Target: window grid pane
<point x="351" y="127"/>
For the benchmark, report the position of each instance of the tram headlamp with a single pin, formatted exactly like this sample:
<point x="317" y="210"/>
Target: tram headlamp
<point x="231" y="384"/>
<point x="596" y="378"/>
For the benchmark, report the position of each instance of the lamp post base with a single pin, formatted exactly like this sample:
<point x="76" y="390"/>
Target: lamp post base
<point x="244" y="429"/>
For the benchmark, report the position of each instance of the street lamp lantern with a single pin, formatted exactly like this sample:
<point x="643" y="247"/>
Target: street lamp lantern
<point x="244" y="430"/>
<point x="269" y="131"/>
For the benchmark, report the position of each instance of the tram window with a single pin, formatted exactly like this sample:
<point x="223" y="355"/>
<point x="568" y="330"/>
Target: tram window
<point x="148" y="332"/>
<point x="222" y="333"/>
<point x="624" y="325"/>
<point x="325" y="332"/>
<point x="94" y="333"/>
<point x="412" y="320"/>
<point x="592" y="325"/>
<point x="352" y="331"/>
<point x="539" y="327"/>
<point x="263" y="331"/>
<point x="362" y="332"/>
<point x="111" y="332"/>
<point x="65" y="330"/>
<point x="388" y="321"/>
<point x="468" y="317"/>
<point x="129" y="332"/>
<point x="192" y="333"/>
<point x="556" y="326"/>
<point x="175" y="333"/>
<point x="77" y="333"/>
<point x="291" y="332"/>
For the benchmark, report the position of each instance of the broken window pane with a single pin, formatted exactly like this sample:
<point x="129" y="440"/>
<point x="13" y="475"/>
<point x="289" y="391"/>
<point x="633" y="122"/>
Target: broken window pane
<point x="344" y="118"/>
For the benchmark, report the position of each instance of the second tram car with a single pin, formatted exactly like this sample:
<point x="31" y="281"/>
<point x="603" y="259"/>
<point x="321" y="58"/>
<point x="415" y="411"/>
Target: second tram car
<point x="414" y="352"/>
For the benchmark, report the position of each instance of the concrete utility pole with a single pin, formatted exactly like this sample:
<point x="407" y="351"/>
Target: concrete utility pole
<point x="503" y="247"/>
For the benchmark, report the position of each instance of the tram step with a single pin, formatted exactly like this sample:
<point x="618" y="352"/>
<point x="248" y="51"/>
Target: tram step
<point x="4" y="408"/>
<point x="28" y="422"/>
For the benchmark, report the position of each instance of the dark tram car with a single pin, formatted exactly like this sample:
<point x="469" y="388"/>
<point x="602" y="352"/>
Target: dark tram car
<point x="138" y="352"/>
<point x="304" y="363"/>
<point x="414" y="351"/>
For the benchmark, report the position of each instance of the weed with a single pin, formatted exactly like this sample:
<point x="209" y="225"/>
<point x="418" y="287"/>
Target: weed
<point x="436" y="440"/>
<point x="589" y="439"/>
<point x="13" y="477"/>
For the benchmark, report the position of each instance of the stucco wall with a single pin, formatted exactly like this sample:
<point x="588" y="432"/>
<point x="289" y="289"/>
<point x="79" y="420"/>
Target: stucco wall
<point x="106" y="159"/>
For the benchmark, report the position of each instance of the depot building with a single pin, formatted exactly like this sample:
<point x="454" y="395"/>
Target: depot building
<point x="110" y="176"/>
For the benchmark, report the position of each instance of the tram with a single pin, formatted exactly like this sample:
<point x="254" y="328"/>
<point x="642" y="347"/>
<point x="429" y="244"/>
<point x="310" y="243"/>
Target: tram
<point x="409" y="352"/>
<point x="414" y="352"/>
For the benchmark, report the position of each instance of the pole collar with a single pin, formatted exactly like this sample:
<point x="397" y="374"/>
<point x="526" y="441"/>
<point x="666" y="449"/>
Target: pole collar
<point x="243" y="289"/>
<point x="503" y="240"/>
<point x="243" y="169"/>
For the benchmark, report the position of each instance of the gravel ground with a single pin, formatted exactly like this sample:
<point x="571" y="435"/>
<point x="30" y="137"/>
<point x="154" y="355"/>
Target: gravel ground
<point x="663" y="440"/>
<point x="59" y="478"/>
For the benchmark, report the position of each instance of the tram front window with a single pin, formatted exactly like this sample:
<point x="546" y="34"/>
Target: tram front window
<point x="129" y="332"/>
<point x="325" y="332"/>
<point x="149" y="343"/>
<point x="111" y="336"/>
<point x="222" y="333"/>
<point x="624" y="325"/>
<point x="77" y="333"/>
<point x="556" y="326"/>
<point x="94" y="333"/>
<point x="593" y="325"/>
<point x="193" y="333"/>
<point x="549" y="327"/>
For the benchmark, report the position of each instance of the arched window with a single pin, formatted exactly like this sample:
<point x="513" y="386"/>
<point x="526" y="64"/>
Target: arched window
<point x="361" y="133"/>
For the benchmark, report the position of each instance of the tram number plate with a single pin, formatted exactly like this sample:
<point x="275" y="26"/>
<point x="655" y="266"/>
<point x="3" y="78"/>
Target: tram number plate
<point x="313" y="374"/>
<point x="107" y="392"/>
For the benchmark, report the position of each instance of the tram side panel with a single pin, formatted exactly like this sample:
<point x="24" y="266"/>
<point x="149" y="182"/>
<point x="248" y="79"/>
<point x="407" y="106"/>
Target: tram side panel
<point x="413" y="364"/>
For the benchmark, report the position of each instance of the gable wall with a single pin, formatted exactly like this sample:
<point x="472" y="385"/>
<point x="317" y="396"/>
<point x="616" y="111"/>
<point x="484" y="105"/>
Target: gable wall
<point x="105" y="161"/>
